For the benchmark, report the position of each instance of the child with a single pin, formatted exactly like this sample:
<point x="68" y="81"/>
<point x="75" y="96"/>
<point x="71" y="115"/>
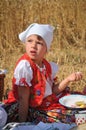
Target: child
<point x="34" y="88"/>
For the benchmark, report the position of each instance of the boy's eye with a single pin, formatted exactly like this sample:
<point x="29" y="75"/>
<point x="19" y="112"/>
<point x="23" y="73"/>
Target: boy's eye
<point x="29" y="40"/>
<point x="40" y="43"/>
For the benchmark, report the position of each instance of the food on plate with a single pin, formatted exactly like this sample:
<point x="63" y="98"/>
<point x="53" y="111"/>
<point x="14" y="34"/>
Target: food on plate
<point x="80" y="104"/>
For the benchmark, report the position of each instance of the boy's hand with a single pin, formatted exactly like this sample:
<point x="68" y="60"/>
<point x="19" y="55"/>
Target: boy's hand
<point x="74" y="76"/>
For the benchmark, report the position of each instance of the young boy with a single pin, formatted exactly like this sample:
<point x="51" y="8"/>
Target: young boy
<point x="34" y="87"/>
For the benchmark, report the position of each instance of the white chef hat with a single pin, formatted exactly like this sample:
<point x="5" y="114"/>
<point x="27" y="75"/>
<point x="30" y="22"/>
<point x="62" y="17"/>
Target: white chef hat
<point x="43" y="30"/>
<point x="3" y="117"/>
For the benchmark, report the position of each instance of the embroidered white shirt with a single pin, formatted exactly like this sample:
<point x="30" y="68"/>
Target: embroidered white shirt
<point x="24" y="70"/>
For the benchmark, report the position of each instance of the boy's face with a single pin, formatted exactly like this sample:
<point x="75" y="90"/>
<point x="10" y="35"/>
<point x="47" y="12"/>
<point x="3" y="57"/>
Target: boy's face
<point x="35" y="48"/>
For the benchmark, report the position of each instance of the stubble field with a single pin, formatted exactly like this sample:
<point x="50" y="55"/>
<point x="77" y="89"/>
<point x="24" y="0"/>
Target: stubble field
<point x="69" y="44"/>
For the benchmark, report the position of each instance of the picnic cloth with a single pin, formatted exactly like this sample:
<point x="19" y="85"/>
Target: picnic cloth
<point x="39" y="126"/>
<point x="3" y="117"/>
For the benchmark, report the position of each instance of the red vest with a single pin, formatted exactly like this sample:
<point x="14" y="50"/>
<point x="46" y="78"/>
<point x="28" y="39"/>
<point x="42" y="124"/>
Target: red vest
<point x="38" y="83"/>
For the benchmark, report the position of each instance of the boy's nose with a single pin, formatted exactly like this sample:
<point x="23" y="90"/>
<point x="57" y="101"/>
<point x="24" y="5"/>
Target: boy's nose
<point x="34" y="45"/>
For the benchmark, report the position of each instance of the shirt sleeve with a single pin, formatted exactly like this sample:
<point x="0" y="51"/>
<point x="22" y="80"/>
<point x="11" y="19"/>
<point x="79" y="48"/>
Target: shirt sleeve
<point x="23" y="74"/>
<point x="54" y="68"/>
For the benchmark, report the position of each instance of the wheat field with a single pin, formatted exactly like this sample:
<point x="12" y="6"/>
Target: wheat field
<point x="69" y="45"/>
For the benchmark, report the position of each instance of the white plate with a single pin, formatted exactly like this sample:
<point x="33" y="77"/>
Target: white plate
<point x="70" y="101"/>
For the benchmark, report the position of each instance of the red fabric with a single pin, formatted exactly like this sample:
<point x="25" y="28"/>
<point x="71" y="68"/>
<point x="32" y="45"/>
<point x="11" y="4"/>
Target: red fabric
<point x="10" y="99"/>
<point x="52" y="102"/>
<point x="38" y="83"/>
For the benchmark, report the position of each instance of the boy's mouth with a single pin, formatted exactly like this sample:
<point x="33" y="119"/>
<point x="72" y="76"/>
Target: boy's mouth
<point x="33" y="52"/>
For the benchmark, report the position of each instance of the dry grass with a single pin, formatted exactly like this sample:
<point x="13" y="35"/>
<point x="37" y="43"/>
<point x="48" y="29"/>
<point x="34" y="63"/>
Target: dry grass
<point x="69" y="45"/>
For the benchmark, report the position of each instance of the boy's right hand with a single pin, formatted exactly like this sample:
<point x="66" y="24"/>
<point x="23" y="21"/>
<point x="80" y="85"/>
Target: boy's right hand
<point x="75" y="77"/>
